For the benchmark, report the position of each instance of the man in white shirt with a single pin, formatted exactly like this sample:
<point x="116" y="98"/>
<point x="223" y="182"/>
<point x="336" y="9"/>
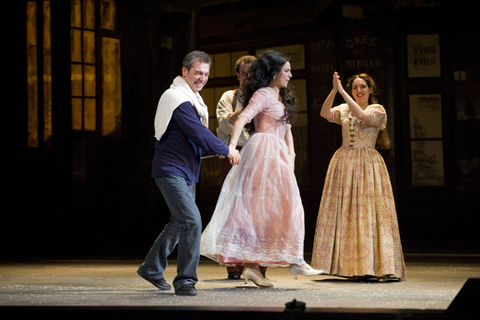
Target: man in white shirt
<point x="229" y="108"/>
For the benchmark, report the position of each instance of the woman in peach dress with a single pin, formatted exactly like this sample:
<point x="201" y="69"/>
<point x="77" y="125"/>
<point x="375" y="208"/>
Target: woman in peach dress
<point x="259" y="217"/>
<point x="357" y="232"/>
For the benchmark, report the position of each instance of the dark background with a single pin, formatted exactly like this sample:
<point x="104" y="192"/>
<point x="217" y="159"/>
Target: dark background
<point x="118" y="210"/>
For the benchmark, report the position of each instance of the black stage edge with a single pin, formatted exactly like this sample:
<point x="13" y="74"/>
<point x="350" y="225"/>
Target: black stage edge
<point x="210" y="313"/>
<point x="467" y="301"/>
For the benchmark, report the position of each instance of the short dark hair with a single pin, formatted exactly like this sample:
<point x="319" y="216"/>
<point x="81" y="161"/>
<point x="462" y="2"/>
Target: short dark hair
<point x="242" y="60"/>
<point x="195" y="56"/>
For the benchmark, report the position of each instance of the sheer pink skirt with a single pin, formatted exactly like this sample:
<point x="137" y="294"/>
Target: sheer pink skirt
<point x="259" y="216"/>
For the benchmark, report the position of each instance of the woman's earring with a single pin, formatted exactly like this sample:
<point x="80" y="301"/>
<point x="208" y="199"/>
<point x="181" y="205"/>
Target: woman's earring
<point x="274" y="76"/>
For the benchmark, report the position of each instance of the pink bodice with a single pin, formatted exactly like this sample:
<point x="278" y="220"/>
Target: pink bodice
<point x="267" y="112"/>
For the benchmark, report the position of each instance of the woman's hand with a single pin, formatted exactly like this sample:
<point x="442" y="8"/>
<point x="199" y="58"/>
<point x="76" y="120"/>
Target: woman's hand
<point x="337" y="83"/>
<point x="328" y="103"/>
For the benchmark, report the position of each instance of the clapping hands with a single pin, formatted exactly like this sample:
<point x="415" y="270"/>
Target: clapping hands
<point x="337" y="83"/>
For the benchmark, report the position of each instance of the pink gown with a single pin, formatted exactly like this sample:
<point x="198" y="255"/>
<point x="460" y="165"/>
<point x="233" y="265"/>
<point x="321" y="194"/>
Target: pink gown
<point x="259" y="215"/>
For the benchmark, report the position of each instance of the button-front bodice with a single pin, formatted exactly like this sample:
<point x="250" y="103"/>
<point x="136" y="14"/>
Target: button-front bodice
<point x="357" y="133"/>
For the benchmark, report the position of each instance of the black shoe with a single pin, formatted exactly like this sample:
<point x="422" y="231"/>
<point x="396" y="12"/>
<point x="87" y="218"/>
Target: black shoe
<point x="159" y="283"/>
<point x="389" y="278"/>
<point x="357" y="279"/>
<point x="187" y="289"/>
<point x="234" y="275"/>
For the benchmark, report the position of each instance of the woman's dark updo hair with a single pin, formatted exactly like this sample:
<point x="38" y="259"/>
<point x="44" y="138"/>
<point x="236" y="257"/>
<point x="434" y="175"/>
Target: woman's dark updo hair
<point x="260" y="74"/>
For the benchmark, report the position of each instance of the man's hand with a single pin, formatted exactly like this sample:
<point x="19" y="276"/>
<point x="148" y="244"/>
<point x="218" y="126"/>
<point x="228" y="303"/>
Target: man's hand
<point x="233" y="155"/>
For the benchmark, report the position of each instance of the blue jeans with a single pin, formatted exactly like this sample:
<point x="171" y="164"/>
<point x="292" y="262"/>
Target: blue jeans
<point x="184" y="229"/>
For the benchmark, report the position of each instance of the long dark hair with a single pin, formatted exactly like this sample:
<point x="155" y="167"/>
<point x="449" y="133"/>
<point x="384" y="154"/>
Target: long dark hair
<point x="260" y="74"/>
<point x="383" y="140"/>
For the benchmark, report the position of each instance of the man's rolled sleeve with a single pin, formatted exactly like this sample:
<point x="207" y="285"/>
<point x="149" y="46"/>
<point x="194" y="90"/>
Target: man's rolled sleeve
<point x="224" y="109"/>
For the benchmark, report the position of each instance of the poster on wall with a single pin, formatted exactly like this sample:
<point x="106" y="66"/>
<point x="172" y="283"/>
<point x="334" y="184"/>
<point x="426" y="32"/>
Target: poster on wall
<point x="425" y="116"/>
<point x="423" y="55"/>
<point x="426" y="139"/>
<point x="427" y="163"/>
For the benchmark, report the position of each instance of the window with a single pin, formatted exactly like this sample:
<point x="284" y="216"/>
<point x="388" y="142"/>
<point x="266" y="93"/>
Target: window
<point x="89" y="62"/>
<point x="83" y="67"/>
<point x="39" y="74"/>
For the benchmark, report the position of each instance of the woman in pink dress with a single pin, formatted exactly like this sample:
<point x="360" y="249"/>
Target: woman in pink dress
<point x="259" y="217"/>
<point x="357" y="232"/>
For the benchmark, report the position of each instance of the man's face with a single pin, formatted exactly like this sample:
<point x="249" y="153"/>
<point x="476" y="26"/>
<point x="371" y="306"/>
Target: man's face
<point x="242" y="74"/>
<point x="197" y="76"/>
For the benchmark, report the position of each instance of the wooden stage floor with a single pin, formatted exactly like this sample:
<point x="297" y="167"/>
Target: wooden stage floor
<point x="110" y="284"/>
